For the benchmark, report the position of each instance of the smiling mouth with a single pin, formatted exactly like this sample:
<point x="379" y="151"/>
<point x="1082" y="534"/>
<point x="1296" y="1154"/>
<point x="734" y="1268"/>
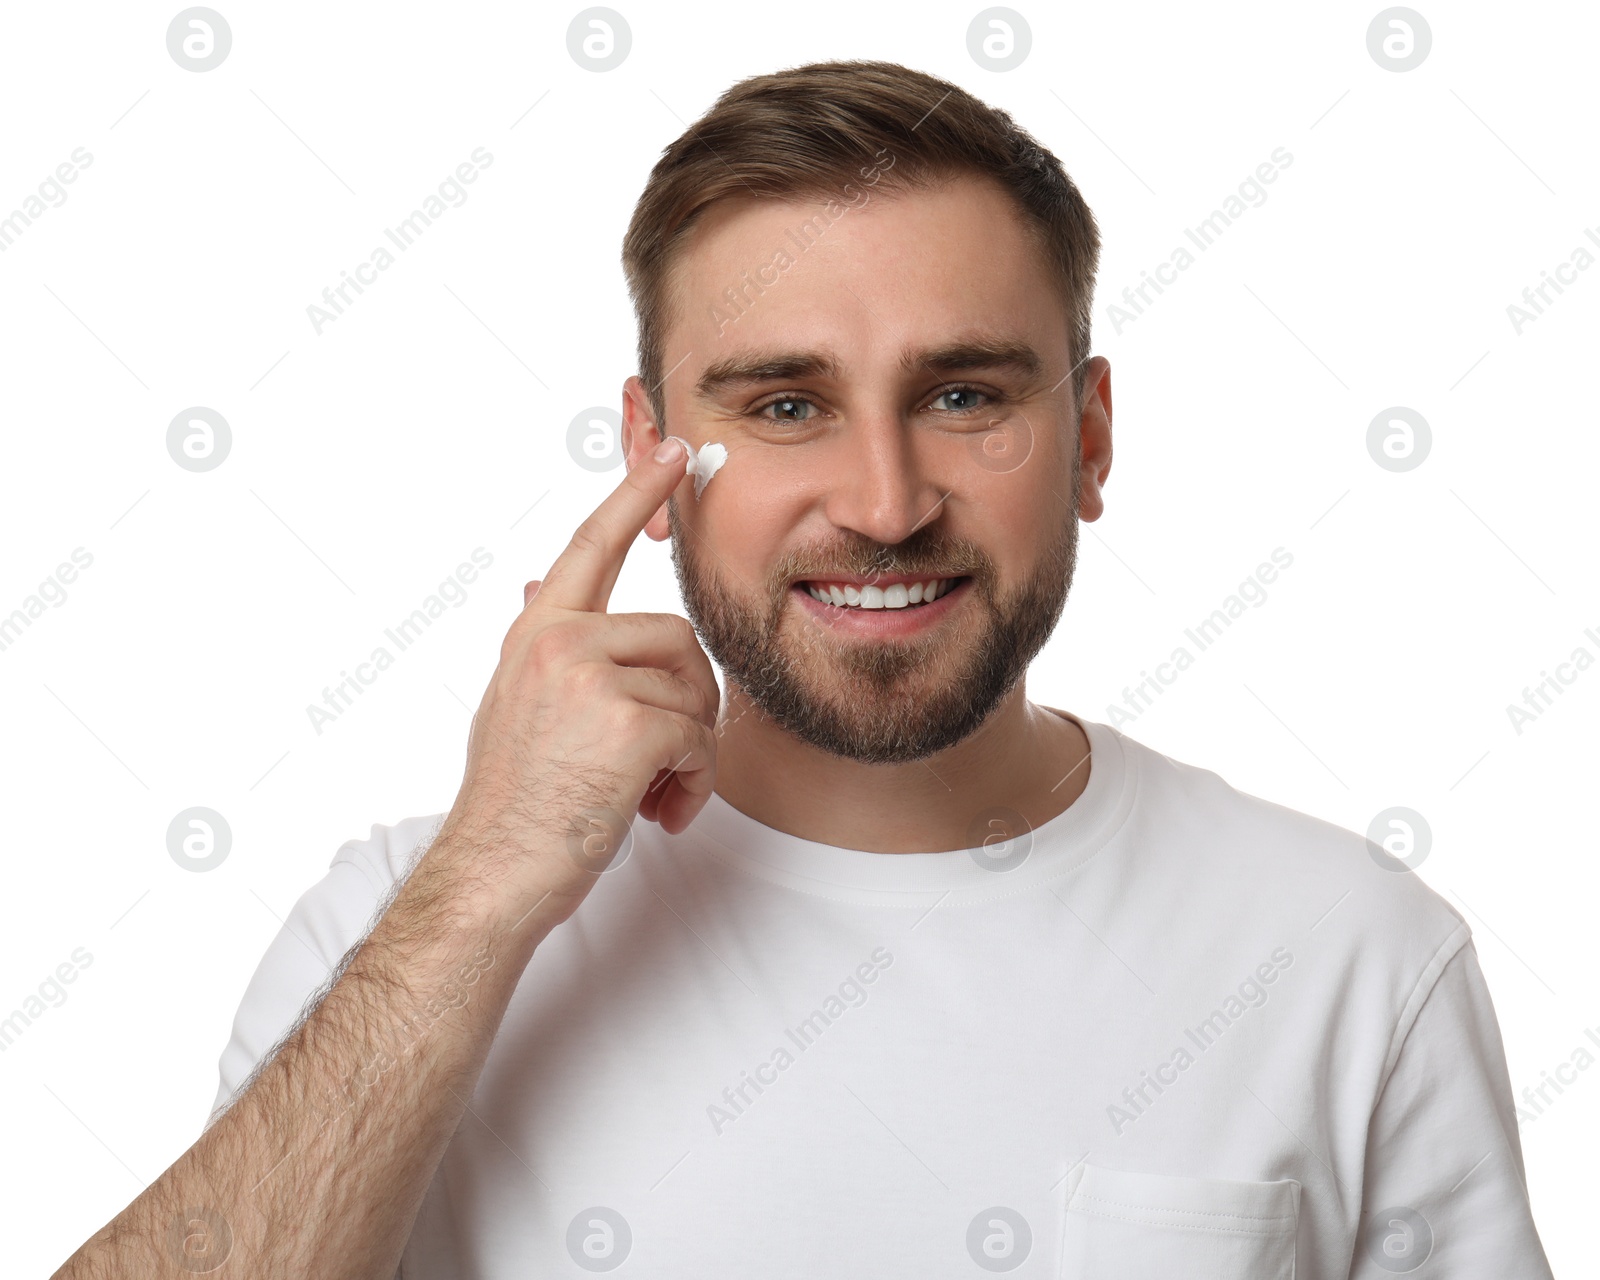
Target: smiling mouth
<point x="908" y="594"/>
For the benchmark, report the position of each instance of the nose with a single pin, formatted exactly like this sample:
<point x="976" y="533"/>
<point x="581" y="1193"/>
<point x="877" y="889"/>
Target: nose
<point x="883" y="487"/>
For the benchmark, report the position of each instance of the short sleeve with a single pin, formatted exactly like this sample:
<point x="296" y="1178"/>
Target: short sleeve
<point x="329" y="918"/>
<point x="1444" y="1182"/>
<point x="296" y="970"/>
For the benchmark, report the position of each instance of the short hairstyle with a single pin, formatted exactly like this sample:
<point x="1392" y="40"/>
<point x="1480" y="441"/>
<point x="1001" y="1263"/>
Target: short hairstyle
<point x="805" y="133"/>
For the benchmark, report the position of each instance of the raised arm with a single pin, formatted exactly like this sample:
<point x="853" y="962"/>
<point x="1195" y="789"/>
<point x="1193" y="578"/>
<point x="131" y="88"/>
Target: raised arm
<point x="319" y="1166"/>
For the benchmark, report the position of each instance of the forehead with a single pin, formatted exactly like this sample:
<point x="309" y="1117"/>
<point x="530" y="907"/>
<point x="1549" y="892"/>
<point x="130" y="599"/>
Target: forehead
<point x="875" y="271"/>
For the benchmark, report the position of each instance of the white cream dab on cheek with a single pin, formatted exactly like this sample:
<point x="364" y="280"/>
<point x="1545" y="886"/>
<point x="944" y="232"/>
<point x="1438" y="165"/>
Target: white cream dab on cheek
<point x="711" y="457"/>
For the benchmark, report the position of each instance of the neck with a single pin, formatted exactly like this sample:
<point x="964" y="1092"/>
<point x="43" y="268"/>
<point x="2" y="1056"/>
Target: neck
<point x="1026" y="758"/>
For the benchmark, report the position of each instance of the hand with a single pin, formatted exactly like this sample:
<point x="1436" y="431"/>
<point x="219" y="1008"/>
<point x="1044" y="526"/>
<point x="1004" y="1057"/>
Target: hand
<point x="591" y="717"/>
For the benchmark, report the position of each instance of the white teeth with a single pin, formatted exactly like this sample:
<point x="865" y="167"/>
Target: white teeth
<point x="870" y="597"/>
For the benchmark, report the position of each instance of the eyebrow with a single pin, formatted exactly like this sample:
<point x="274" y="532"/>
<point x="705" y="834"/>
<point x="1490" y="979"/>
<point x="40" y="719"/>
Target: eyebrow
<point x="962" y="355"/>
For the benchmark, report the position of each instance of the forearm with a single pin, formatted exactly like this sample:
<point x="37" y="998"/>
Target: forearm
<point x="319" y="1167"/>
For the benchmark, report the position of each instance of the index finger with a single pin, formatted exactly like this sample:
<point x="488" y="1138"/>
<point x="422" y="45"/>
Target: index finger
<point x="585" y="572"/>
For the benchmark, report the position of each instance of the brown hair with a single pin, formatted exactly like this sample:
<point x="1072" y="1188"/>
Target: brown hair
<point x="807" y="131"/>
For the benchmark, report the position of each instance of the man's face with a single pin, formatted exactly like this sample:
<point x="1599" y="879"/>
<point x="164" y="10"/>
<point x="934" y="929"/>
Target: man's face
<point x="870" y="436"/>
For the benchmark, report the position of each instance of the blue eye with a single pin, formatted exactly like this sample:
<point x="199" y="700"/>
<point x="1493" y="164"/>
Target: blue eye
<point x="790" y="403"/>
<point x="786" y="401"/>
<point x="963" y="391"/>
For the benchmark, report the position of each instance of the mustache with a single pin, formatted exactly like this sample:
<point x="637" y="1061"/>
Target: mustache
<point x="928" y="558"/>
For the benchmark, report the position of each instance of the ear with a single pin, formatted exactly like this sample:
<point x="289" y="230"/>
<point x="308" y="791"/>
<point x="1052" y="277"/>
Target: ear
<point x="1094" y="431"/>
<point x="639" y="437"/>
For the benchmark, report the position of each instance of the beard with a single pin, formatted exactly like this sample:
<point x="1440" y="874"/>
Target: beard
<point x="880" y="701"/>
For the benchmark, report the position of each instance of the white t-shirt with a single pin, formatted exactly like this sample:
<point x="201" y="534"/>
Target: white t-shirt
<point x="1183" y="1031"/>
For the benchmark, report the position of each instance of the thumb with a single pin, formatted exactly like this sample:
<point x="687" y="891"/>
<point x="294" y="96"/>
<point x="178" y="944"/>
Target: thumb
<point x="530" y="590"/>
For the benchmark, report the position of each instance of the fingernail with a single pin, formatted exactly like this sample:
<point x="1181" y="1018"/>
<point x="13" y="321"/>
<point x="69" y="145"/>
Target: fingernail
<point x="669" y="450"/>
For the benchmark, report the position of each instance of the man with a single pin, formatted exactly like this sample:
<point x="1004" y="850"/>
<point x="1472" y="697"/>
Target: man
<point x="901" y="974"/>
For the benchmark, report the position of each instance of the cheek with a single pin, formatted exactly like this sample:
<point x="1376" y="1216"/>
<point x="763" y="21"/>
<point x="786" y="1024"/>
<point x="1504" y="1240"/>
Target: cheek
<point x="1004" y="446"/>
<point x="1018" y="474"/>
<point x="748" y="511"/>
<point x="1026" y="451"/>
<point x="1020" y="517"/>
<point x="753" y="483"/>
<point x="1015" y="515"/>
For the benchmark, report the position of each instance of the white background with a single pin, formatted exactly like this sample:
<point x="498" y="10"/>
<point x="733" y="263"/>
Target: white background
<point x="431" y="418"/>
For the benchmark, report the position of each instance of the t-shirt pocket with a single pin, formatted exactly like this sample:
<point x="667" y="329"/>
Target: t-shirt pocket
<point x="1145" y="1226"/>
